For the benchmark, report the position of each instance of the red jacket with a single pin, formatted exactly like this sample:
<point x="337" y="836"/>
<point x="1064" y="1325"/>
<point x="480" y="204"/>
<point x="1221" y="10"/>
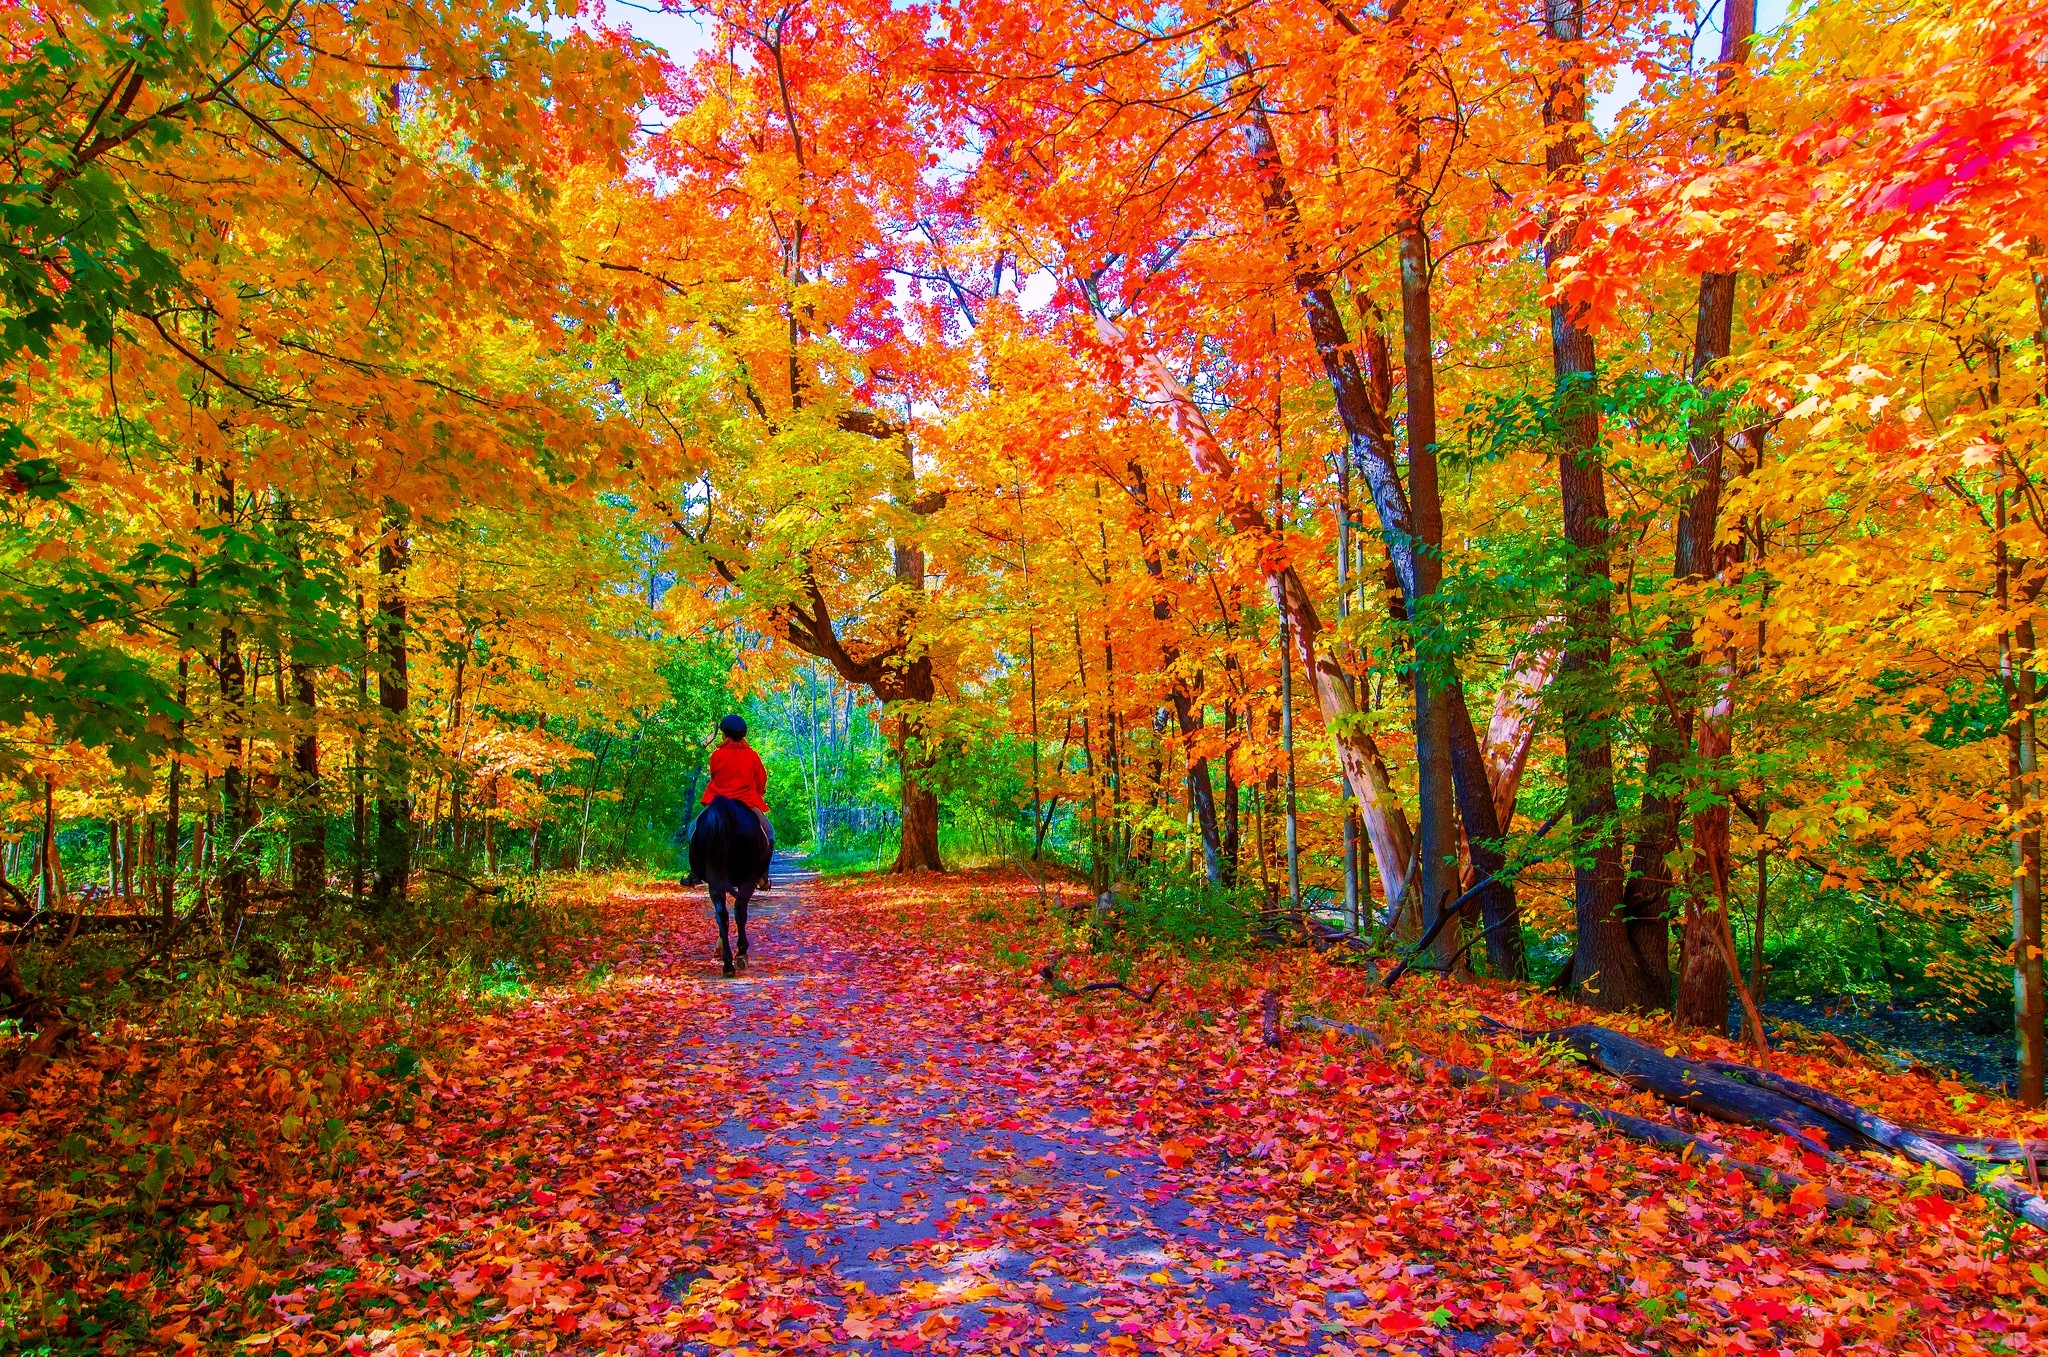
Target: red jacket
<point x="736" y="772"/>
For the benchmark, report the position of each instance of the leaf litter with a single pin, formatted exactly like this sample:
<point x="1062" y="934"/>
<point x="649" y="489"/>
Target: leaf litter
<point x="890" y="1136"/>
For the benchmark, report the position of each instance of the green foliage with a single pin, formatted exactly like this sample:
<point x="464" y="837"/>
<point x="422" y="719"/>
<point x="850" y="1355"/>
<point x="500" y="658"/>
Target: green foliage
<point x="1180" y="911"/>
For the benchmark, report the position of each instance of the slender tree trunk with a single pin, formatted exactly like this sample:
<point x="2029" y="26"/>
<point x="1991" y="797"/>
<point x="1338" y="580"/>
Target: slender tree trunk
<point x="490" y="838"/>
<point x="394" y="797"/>
<point x="1233" y="818"/>
<point x="1201" y="791"/>
<point x="49" y="894"/>
<point x="1763" y="900"/>
<point x="2016" y="675"/>
<point x="604" y="750"/>
<point x="1609" y="971"/>
<point x="309" y="819"/>
<point x="231" y="852"/>
<point x="173" y="826"/>
<point x="1357" y="753"/>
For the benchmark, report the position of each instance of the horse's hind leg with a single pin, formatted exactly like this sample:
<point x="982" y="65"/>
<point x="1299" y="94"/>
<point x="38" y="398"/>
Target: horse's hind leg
<point x="724" y="941"/>
<point x="740" y="898"/>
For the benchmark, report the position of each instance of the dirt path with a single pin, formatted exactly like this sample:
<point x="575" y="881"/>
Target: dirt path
<point x="937" y="1183"/>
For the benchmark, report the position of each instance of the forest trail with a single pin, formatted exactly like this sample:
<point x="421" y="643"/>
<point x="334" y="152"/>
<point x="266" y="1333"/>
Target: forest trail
<point x="892" y="1134"/>
<point x="937" y="1180"/>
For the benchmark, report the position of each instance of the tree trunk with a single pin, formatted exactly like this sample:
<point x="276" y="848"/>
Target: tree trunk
<point x="2016" y="676"/>
<point x="1233" y="818"/>
<point x="1435" y="688"/>
<point x="231" y="851"/>
<point x="173" y="825"/>
<point x="1704" y="975"/>
<point x="309" y="809"/>
<point x="918" y="848"/>
<point x="604" y="750"/>
<point x="1609" y="971"/>
<point x="1201" y="791"/>
<point x="48" y="895"/>
<point x="394" y="798"/>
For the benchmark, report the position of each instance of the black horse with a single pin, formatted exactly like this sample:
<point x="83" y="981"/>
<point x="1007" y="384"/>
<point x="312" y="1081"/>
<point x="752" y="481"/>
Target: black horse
<point x="729" y="855"/>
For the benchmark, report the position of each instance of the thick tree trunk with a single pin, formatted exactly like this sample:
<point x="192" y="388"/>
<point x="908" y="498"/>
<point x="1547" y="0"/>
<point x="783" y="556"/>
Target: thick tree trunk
<point x="917" y="849"/>
<point x="1704" y="974"/>
<point x="1436" y="690"/>
<point x="394" y="793"/>
<point x="1484" y="827"/>
<point x="1609" y="971"/>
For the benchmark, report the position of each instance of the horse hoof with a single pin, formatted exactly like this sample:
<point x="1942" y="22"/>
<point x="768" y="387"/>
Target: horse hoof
<point x="743" y="960"/>
<point x="728" y="970"/>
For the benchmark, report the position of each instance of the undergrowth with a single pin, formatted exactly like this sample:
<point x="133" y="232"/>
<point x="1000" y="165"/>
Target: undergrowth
<point x="231" y="1084"/>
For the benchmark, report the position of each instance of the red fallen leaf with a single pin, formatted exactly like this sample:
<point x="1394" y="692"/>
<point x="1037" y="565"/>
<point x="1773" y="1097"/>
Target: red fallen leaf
<point x="566" y="1323"/>
<point x="746" y="1168"/>
<point x="802" y="1309"/>
<point x="1333" y="1075"/>
<point x="556" y="1051"/>
<point x="1175" y="1155"/>
<point x="1933" y="1210"/>
<point x="590" y="1270"/>
<point x="543" y="1197"/>
<point x="1398" y="1321"/>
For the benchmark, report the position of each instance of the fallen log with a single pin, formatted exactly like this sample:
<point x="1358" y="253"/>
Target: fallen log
<point x="1694" y="1086"/>
<point x="1992" y="1149"/>
<point x="1050" y="973"/>
<point x="1690" y="1147"/>
<point x="2008" y="1192"/>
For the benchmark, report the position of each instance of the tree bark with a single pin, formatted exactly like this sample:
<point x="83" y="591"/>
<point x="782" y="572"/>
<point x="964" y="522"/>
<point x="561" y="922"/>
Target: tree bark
<point x="309" y="818"/>
<point x="231" y="850"/>
<point x="1704" y="975"/>
<point x="1436" y="689"/>
<point x="359" y="807"/>
<point x="173" y="828"/>
<point x="917" y="849"/>
<point x="1609" y="971"/>
<point x="1412" y="533"/>
<point x="46" y="849"/>
<point x="394" y="793"/>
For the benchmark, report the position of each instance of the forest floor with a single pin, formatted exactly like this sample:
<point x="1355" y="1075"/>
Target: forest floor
<point x="1907" y="1036"/>
<point x="891" y="1134"/>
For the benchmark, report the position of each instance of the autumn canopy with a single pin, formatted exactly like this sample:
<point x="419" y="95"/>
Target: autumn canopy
<point x="1544" y="491"/>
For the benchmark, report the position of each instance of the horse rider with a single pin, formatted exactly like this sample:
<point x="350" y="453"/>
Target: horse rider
<point x="737" y="773"/>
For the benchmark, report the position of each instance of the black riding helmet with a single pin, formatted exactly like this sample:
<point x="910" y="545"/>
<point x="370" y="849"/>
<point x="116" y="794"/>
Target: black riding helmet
<point x="734" y="728"/>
